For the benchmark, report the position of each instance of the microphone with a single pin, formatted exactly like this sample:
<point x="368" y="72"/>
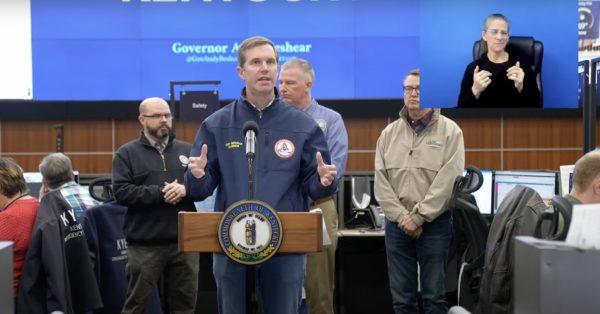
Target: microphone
<point x="250" y="132"/>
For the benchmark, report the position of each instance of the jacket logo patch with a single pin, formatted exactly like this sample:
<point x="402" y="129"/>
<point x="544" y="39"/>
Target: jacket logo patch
<point x="184" y="160"/>
<point x="434" y="143"/>
<point x="234" y="144"/>
<point x="322" y="124"/>
<point x="284" y="148"/>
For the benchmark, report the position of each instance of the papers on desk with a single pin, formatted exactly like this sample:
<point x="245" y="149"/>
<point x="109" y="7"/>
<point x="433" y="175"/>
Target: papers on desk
<point x="566" y="179"/>
<point x="326" y="238"/>
<point x="584" y="231"/>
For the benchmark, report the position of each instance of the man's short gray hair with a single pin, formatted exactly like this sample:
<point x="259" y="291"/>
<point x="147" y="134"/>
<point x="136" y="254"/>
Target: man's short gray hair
<point x="56" y="170"/>
<point x="302" y="65"/>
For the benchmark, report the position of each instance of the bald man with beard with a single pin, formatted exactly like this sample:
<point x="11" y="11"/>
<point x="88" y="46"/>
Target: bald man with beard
<point x="148" y="179"/>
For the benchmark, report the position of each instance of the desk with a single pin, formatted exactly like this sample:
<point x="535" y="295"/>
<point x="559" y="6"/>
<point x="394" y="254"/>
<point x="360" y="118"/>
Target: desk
<point x="553" y="279"/>
<point x="361" y="283"/>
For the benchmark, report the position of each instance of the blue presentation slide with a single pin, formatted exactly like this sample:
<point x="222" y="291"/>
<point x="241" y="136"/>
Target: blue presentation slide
<point x="132" y="49"/>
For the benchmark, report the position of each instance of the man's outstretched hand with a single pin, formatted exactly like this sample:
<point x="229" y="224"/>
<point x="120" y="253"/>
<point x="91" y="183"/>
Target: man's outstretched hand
<point x="197" y="164"/>
<point x="326" y="172"/>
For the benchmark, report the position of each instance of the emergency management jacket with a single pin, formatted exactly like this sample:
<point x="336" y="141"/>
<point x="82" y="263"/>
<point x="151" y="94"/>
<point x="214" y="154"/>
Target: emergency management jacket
<point x="285" y="167"/>
<point x="414" y="174"/>
<point x="58" y="274"/>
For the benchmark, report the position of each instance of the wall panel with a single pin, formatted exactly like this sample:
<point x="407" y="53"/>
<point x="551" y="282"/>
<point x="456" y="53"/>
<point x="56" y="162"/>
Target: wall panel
<point x="511" y="143"/>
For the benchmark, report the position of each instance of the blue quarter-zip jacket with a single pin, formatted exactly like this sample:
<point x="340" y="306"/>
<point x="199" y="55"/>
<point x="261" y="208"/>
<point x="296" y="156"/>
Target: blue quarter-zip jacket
<point x="285" y="166"/>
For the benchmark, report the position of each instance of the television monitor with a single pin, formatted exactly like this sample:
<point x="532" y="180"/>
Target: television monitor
<point x="484" y="196"/>
<point x="543" y="182"/>
<point x="34" y="181"/>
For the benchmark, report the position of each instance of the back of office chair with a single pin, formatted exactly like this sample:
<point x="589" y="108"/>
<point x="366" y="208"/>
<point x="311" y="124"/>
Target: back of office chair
<point x="467" y="251"/>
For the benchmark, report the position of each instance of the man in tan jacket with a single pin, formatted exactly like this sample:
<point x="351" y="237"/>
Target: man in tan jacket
<point x="417" y="160"/>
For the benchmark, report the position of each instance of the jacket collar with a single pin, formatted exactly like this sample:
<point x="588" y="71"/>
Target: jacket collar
<point x="434" y="118"/>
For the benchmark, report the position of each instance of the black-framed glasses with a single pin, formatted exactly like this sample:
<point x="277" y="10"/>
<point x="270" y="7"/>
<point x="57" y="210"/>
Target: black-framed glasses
<point x="494" y="32"/>
<point x="410" y="89"/>
<point x="159" y="116"/>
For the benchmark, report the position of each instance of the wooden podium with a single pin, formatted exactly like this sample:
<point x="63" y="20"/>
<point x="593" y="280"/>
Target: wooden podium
<point x="198" y="232"/>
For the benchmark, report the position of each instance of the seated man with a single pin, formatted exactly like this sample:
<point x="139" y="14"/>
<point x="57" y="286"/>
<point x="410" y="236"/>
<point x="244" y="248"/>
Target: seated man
<point x="586" y="180"/>
<point x="58" y="270"/>
<point x="57" y="174"/>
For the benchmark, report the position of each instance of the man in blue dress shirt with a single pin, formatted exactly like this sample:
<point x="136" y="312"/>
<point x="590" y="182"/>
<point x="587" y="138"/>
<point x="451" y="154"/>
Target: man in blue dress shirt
<point x="295" y="83"/>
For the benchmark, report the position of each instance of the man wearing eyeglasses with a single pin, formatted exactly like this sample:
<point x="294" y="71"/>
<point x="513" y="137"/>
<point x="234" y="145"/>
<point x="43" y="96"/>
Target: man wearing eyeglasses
<point x="148" y="179"/>
<point x="498" y="79"/>
<point x="416" y="161"/>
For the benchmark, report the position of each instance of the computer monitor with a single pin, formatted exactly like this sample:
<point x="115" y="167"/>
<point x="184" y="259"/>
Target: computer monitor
<point x="34" y="181"/>
<point x="484" y="196"/>
<point x="566" y="179"/>
<point x="543" y="182"/>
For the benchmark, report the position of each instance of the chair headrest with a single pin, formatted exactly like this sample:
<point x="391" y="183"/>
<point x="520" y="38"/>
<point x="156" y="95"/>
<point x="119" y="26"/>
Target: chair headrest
<point x="101" y="189"/>
<point x="472" y="180"/>
<point x="519" y="45"/>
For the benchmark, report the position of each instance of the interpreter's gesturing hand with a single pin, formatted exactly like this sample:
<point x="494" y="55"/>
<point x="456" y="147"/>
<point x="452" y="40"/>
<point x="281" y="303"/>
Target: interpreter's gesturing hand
<point x="481" y="80"/>
<point x="326" y="172"/>
<point x="196" y="165"/>
<point x="173" y="192"/>
<point x="516" y="74"/>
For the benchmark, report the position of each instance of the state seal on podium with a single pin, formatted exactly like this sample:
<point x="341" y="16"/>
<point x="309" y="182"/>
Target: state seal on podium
<point x="250" y="232"/>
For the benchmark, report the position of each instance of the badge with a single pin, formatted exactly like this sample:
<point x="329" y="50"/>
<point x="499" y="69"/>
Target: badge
<point x="284" y="148"/>
<point x="184" y="160"/>
<point x="250" y="232"/>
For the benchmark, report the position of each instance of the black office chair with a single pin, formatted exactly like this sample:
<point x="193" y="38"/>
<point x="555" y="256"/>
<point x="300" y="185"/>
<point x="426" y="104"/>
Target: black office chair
<point x="525" y="46"/>
<point x="101" y="189"/>
<point x="467" y="251"/>
<point x="554" y="222"/>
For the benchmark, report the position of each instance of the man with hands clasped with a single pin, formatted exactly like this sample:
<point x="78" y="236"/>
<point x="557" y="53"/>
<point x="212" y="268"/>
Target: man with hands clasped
<point x="148" y="179"/>
<point x="417" y="159"/>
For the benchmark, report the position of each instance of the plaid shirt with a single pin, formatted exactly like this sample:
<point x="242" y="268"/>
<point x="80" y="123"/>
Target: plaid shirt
<point x="78" y="197"/>
<point x="419" y="125"/>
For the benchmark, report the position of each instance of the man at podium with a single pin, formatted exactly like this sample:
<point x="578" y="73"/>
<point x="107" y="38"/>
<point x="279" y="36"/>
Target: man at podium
<point x="292" y="163"/>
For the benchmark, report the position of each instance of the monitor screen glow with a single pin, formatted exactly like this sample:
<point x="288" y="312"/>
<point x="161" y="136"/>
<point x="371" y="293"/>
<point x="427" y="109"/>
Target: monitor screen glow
<point x="484" y="195"/>
<point x="543" y="182"/>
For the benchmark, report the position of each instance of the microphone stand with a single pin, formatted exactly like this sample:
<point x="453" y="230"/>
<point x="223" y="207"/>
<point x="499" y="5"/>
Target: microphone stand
<point x="252" y="306"/>
<point x="250" y="157"/>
